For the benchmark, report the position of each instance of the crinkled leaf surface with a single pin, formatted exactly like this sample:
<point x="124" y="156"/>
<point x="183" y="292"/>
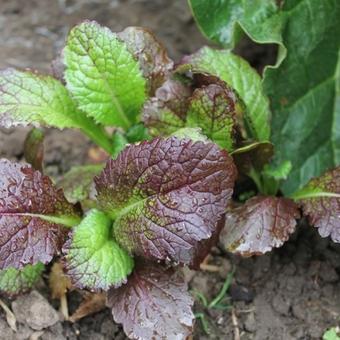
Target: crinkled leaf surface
<point x="223" y="20"/>
<point x="32" y="214"/>
<point x="29" y="98"/>
<point x="78" y="183"/>
<point x="212" y="108"/>
<point x="14" y="281"/>
<point x="304" y="90"/>
<point x="103" y="76"/>
<point x="238" y="74"/>
<point x="154" y="304"/>
<point x="34" y="148"/>
<point x="262" y="223"/>
<point x="166" y="196"/>
<point x="151" y="54"/>
<point x="320" y="201"/>
<point x="93" y="259"/>
<point x="165" y="113"/>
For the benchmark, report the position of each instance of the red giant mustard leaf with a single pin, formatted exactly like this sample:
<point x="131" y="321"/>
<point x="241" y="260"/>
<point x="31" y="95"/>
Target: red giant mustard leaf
<point x="320" y="201"/>
<point x="151" y="54"/>
<point x="212" y="108"/>
<point x="262" y="223"/>
<point x="154" y="304"/>
<point x="166" y="196"/>
<point x="32" y="212"/>
<point x="165" y="113"/>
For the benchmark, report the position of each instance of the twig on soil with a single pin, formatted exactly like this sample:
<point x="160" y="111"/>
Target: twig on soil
<point x="205" y="266"/>
<point x="235" y="324"/>
<point x="10" y="317"/>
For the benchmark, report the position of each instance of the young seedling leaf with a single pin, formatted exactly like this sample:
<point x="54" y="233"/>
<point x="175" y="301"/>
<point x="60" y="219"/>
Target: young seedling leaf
<point x="78" y="183"/>
<point x="166" y="196"/>
<point x="262" y="223"/>
<point x="34" y="148"/>
<point x="103" y="76"/>
<point x="14" y="281"/>
<point x="165" y="113"/>
<point x="154" y="304"/>
<point x="320" y="201"/>
<point x="28" y="98"/>
<point x="93" y="259"/>
<point x="238" y="74"/>
<point x="33" y="213"/>
<point x="151" y="54"/>
<point x="212" y="108"/>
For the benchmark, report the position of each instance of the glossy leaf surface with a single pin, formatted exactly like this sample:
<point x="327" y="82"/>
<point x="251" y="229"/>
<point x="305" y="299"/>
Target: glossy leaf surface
<point x="154" y="304"/>
<point x="32" y="214"/>
<point x="166" y="196"/>
<point x="320" y="201"/>
<point x="262" y="223"/>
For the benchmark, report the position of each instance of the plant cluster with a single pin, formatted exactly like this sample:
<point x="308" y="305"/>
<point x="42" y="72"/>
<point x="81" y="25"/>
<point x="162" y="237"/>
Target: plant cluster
<point x="190" y="154"/>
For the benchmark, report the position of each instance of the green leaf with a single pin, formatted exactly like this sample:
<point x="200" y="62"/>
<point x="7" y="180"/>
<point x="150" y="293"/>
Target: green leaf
<point x="29" y="98"/>
<point x="332" y="334"/>
<point x="195" y="134"/>
<point x="238" y="74"/>
<point x="93" y="259"/>
<point x="278" y="172"/>
<point x="212" y="108"/>
<point x="14" y="281"/>
<point x="305" y="89"/>
<point x="103" y="76"/>
<point x="223" y="21"/>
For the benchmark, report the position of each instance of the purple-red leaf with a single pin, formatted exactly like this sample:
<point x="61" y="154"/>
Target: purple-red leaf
<point x="32" y="210"/>
<point x="165" y="113"/>
<point x="151" y="54"/>
<point x="154" y="304"/>
<point x="320" y="201"/>
<point x="262" y="223"/>
<point x="166" y="196"/>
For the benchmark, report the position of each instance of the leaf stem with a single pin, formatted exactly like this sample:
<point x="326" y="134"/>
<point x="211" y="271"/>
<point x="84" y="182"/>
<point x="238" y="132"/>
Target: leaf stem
<point x="99" y="136"/>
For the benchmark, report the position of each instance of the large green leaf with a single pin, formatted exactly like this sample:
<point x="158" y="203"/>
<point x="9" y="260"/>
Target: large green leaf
<point x="30" y="98"/>
<point x="103" y="76"/>
<point x="237" y="73"/>
<point x="305" y="90"/>
<point x="223" y="21"/>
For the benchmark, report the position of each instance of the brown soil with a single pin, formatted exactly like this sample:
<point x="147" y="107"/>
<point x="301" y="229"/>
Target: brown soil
<point x="292" y="293"/>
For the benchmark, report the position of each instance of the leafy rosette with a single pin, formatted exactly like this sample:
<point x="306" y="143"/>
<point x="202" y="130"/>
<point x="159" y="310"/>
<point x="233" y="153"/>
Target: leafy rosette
<point x="262" y="223"/>
<point x="166" y="196"/>
<point x="320" y="202"/>
<point x="154" y="304"/>
<point x="33" y="216"/>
